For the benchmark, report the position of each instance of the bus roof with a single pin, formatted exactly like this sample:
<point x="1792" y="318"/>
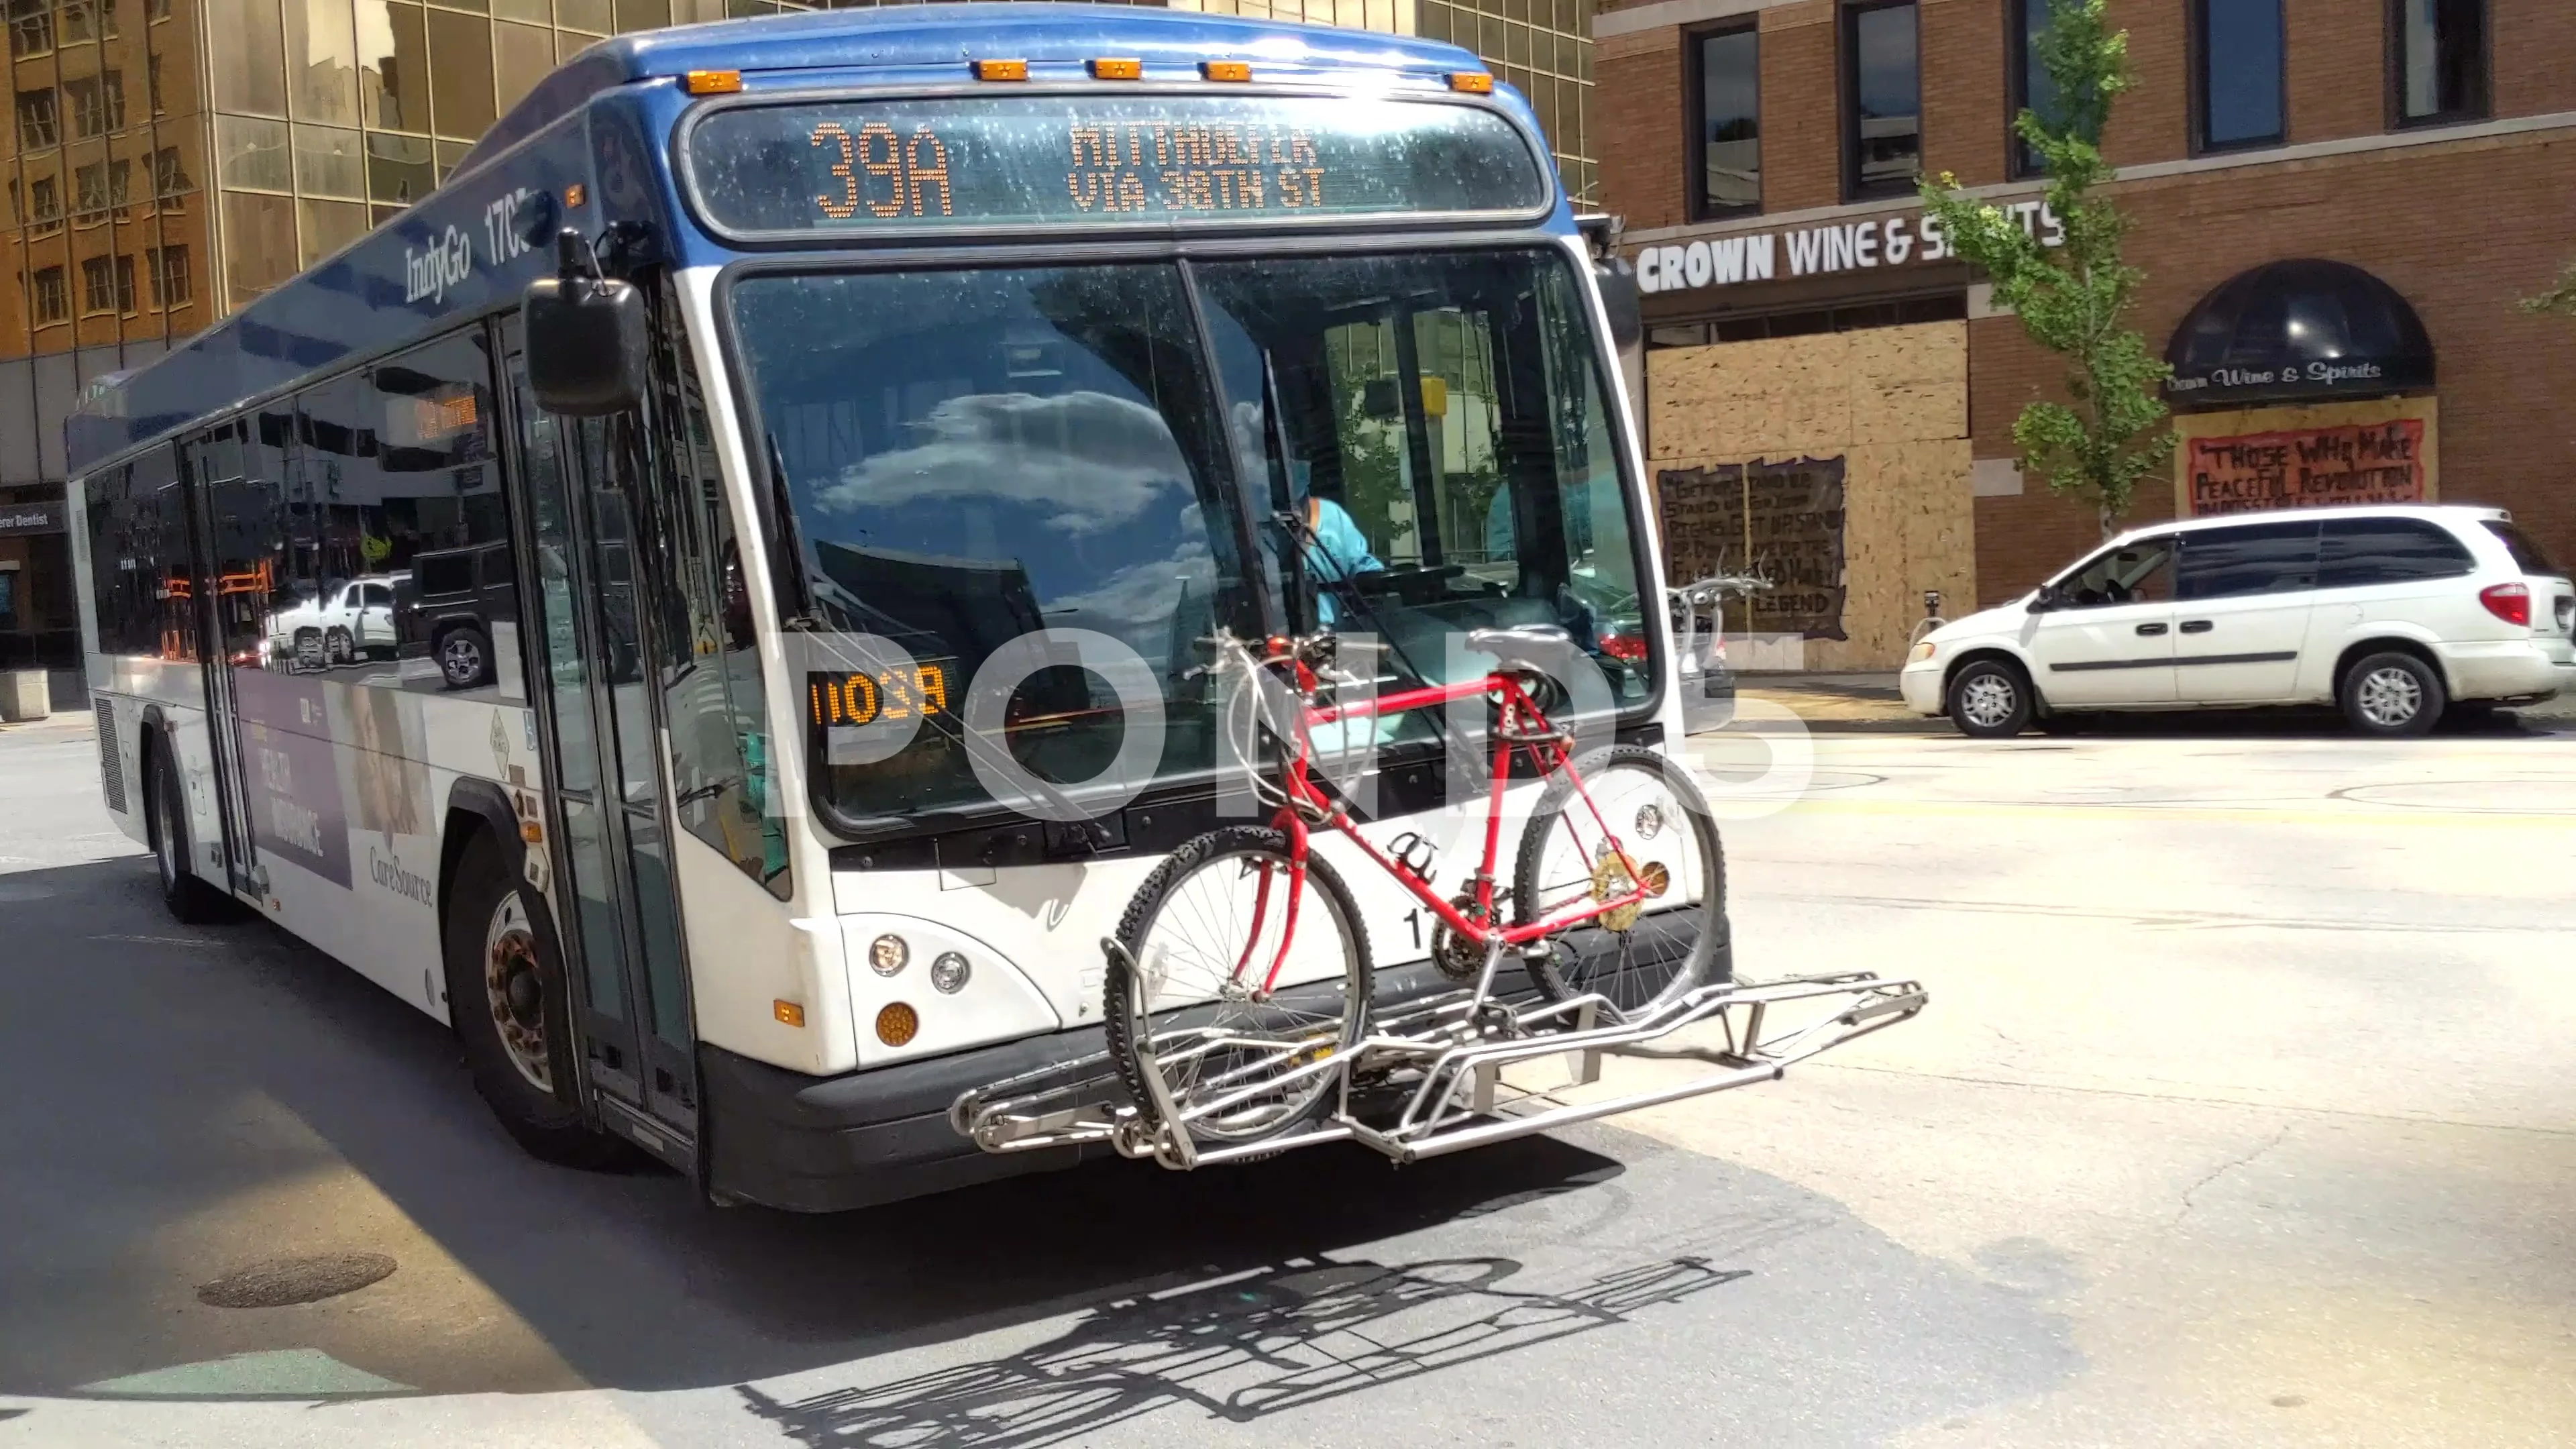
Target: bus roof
<point x="929" y="35"/>
<point x="387" y="288"/>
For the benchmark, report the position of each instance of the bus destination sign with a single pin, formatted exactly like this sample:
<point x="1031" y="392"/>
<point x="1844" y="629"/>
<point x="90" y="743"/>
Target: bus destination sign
<point x="1074" y="160"/>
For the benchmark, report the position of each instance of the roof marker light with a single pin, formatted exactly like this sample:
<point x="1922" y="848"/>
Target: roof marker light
<point x="1226" y="70"/>
<point x="1002" y="70"/>
<point x="1106" y="69"/>
<point x="1471" y="82"/>
<point x="714" y="82"/>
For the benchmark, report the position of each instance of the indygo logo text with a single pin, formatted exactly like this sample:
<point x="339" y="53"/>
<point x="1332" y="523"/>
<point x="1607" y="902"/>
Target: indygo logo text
<point x="449" y="260"/>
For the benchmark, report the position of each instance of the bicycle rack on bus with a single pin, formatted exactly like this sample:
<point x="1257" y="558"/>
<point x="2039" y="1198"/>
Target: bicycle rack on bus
<point x="1431" y="1078"/>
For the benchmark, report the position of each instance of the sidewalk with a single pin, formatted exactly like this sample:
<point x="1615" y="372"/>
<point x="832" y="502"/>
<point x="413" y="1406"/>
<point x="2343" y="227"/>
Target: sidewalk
<point x="1871" y="704"/>
<point x="1839" y="703"/>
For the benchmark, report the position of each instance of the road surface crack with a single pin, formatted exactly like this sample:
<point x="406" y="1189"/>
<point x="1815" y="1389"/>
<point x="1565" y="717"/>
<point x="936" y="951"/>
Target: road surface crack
<point x="2192" y="1193"/>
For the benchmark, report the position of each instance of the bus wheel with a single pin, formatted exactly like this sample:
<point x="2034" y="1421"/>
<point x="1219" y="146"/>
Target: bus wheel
<point x="190" y="900"/>
<point x="506" y="996"/>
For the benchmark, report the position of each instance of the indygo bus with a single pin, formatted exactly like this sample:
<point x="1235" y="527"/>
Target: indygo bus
<point x="456" y="605"/>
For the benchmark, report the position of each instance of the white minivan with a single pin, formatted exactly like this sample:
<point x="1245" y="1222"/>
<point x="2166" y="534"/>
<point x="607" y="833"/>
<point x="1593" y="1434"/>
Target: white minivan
<point x="2394" y="613"/>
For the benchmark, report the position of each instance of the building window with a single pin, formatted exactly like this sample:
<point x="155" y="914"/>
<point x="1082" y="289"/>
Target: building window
<point x="1882" y="99"/>
<point x="157" y="10"/>
<point x="120" y="184"/>
<point x="44" y="202"/>
<point x="2032" y="89"/>
<point x="89" y="191"/>
<point x="97" y="102"/>
<point x="168" y="267"/>
<point x="2438" y="51"/>
<point x="53" y="297"/>
<point x="107" y="285"/>
<point x="77" y="22"/>
<point x="31" y="28"/>
<point x="152" y="84"/>
<point x="169" y="174"/>
<point x="2236" y="75"/>
<point x="1726" y="151"/>
<point x="39" y="124"/>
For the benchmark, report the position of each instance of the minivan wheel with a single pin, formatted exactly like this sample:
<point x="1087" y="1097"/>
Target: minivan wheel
<point x="2393" y="696"/>
<point x="1990" y="700"/>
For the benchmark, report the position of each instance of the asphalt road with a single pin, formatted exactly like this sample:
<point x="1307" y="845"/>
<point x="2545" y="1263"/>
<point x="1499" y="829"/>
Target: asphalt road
<point x="2243" y="1114"/>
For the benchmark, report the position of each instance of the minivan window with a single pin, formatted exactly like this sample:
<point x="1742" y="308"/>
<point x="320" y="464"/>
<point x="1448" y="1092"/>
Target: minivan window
<point x="2249" y="558"/>
<point x="2136" y="573"/>
<point x="2361" y="551"/>
<point x="2528" y="555"/>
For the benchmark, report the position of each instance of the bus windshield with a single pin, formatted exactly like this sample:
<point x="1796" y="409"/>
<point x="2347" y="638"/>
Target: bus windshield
<point x="975" y="455"/>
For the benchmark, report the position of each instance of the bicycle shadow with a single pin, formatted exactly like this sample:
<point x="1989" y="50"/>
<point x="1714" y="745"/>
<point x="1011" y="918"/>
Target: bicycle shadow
<point x="1238" y="1349"/>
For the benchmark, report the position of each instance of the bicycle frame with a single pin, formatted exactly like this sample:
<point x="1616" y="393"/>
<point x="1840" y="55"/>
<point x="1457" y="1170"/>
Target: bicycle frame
<point x="1307" y="806"/>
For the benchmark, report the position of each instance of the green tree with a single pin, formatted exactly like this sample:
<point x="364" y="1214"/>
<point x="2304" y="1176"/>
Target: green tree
<point x="2560" y="298"/>
<point x="2074" y="298"/>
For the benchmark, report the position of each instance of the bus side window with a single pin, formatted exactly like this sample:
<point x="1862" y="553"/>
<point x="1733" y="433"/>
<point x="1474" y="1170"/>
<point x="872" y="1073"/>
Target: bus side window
<point x="432" y="508"/>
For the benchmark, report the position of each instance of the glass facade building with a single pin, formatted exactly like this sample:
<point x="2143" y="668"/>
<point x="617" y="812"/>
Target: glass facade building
<point x="166" y="161"/>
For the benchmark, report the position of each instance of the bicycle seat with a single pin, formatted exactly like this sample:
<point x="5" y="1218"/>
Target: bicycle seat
<point x="1523" y="646"/>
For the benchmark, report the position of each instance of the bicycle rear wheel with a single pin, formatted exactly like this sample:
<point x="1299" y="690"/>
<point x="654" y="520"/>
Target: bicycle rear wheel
<point x="1203" y="933"/>
<point x="1636" y="958"/>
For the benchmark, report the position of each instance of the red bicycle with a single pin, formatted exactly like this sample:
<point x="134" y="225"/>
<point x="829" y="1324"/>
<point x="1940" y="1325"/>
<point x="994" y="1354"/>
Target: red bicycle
<point x="1238" y="1013"/>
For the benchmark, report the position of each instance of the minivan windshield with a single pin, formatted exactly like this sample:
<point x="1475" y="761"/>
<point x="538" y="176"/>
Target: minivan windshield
<point x="970" y="456"/>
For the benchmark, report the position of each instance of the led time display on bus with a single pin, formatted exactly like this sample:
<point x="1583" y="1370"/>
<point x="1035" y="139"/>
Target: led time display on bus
<point x="1103" y="160"/>
<point x="901" y="692"/>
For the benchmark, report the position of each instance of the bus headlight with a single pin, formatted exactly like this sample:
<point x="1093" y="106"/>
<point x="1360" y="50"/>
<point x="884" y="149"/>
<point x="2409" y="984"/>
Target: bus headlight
<point x="888" y="953"/>
<point x="949" y="972"/>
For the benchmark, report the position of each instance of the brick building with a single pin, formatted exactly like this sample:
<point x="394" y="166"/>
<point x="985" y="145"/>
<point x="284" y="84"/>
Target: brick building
<point x="2337" y="205"/>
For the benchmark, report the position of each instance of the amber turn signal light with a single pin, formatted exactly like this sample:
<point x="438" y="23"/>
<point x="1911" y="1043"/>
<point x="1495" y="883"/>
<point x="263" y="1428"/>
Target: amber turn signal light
<point x="788" y="1012"/>
<point x="714" y="82"/>
<point x="1117" y="69"/>
<point x="898" y="1024"/>
<point x="1226" y="70"/>
<point x="1471" y="82"/>
<point x="1001" y="70"/>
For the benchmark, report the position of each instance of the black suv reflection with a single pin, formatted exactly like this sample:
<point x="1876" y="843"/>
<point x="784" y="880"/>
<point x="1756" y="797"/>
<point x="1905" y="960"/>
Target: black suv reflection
<point x="455" y="599"/>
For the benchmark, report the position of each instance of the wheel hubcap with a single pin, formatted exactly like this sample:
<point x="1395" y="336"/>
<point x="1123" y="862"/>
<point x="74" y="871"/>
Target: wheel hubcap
<point x="1987" y="699"/>
<point x="2391" y="697"/>
<point x="464" y="661"/>
<point x="515" y="992"/>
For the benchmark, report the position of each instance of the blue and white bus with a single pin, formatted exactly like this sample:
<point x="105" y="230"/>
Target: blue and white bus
<point x="466" y="605"/>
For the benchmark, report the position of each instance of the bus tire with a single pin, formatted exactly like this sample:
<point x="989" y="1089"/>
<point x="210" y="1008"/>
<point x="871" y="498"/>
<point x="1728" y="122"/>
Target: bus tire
<point x="507" y="999"/>
<point x="190" y="900"/>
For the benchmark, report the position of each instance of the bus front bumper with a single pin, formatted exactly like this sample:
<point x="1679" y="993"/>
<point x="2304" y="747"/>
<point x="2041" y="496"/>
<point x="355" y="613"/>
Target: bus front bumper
<point x="829" y="1144"/>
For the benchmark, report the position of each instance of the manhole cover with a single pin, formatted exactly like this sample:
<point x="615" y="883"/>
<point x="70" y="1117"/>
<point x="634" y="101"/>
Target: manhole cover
<point x="281" y="1282"/>
<point x="2486" y="797"/>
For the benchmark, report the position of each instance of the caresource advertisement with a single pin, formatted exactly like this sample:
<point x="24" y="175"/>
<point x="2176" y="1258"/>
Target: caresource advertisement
<point x="874" y="702"/>
<point x="301" y="789"/>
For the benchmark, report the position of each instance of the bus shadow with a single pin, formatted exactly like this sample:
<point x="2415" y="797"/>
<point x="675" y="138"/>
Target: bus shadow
<point x="228" y="1041"/>
<point x="1238" y="1350"/>
<point x="176" y="1102"/>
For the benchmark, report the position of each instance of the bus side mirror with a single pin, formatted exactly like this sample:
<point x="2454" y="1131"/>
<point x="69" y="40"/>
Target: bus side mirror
<point x="1620" y="298"/>
<point x="586" y="336"/>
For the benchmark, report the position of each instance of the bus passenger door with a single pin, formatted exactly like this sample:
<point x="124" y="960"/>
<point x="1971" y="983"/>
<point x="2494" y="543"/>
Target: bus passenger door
<point x="231" y="514"/>
<point x="605" y="769"/>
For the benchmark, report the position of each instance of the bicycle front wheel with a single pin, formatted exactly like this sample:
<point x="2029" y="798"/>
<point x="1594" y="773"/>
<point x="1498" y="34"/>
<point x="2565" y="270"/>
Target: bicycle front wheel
<point x="1242" y="983"/>
<point x="1636" y="818"/>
